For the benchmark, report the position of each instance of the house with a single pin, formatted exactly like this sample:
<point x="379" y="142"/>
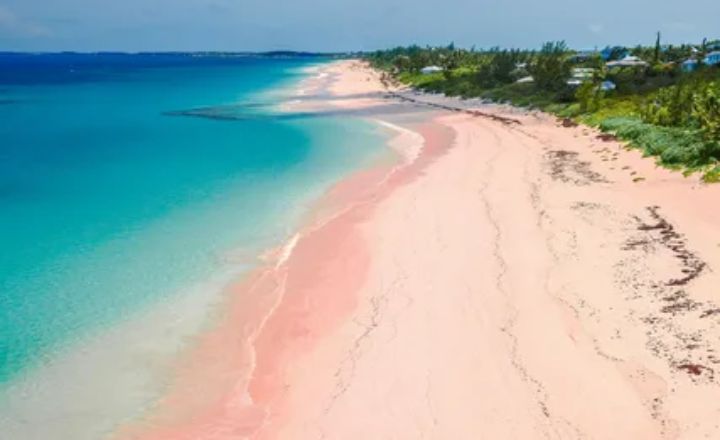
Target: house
<point x="712" y="59"/>
<point x="689" y="65"/>
<point x="525" y="79"/>
<point x="627" y="61"/>
<point x="614" y="53"/>
<point x="583" y="72"/>
<point x="582" y="56"/>
<point x="429" y="70"/>
<point x="580" y="75"/>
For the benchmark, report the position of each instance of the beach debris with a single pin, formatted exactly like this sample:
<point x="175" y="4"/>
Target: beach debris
<point x="697" y="370"/>
<point x="607" y="137"/>
<point x="710" y="312"/>
<point x="675" y="332"/>
<point x="473" y="112"/>
<point x="565" y="166"/>
<point x="568" y="123"/>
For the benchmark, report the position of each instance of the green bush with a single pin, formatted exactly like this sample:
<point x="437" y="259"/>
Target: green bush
<point x="588" y="97"/>
<point x="713" y="175"/>
<point x="674" y="146"/>
<point x="671" y="106"/>
<point x="694" y="104"/>
<point x="706" y="111"/>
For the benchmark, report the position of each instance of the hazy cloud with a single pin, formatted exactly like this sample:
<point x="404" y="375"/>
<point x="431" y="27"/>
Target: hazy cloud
<point x="596" y="28"/>
<point x="13" y="26"/>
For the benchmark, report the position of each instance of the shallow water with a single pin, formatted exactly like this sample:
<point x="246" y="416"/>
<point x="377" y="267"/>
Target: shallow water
<point x="112" y="200"/>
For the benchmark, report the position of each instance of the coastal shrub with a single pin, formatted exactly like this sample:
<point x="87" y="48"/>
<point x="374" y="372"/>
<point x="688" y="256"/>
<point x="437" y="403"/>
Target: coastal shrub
<point x="629" y="80"/>
<point x="671" y="106"/>
<point x="713" y="175"/>
<point x="693" y="104"/>
<point x="588" y="97"/>
<point x="521" y="95"/>
<point x="564" y="110"/>
<point x="706" y="111"/>
<point x="614" y="107"/>
<point x="673" y="146"/>
<point x="450" y="62"/>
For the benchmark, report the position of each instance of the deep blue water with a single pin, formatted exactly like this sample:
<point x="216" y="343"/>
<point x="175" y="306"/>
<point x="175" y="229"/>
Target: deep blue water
<point x="110" y="201"/>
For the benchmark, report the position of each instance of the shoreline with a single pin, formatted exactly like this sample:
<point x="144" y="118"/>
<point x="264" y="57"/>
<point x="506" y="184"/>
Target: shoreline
<point x="507" y="280"/>
<point x="144" y="347"/>
<point x="352" y="198"/>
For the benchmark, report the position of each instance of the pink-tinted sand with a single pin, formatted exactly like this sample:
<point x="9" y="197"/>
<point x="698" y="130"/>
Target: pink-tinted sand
<point x="508" y="282"/>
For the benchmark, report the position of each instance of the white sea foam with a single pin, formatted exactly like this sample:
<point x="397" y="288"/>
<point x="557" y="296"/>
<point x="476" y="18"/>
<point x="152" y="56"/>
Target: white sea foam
<point x="287" y="250"/>
<point x="407" y="143"/>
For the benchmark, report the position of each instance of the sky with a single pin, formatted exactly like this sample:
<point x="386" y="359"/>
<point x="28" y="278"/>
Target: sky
<point x="345" y="25"/>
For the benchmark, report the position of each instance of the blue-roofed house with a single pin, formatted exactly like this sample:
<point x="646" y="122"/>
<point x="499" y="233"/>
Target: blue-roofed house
<point x="712" y="59"/>
<point x="690" y="65"/>
<point x="614" y="53"/>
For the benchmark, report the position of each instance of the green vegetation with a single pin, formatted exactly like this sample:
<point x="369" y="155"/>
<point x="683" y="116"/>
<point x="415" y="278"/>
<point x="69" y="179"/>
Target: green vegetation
<point x="551" y="68"/>
<point x="673" y="146"/>
<point x="654" y="104"/>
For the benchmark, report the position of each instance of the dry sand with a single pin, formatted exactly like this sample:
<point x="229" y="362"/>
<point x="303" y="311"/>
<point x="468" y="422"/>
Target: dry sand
<point x="509" y="278"/>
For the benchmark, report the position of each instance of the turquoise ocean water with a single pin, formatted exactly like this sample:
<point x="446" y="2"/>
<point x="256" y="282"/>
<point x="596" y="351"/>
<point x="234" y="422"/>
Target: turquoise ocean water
<point x="125" y="179"/>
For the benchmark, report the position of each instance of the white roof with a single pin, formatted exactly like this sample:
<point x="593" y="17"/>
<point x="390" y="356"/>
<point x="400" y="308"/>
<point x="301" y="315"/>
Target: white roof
<point x="431" y="69"/>
<point x="583" y="72"/>
<point x="628" y="61"/>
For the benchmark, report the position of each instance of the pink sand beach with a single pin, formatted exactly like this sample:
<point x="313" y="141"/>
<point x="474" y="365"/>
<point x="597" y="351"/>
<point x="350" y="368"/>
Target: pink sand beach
<point x="504" y="278"/>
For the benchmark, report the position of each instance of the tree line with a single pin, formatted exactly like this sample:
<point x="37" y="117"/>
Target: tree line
<point x="656" y="91"/>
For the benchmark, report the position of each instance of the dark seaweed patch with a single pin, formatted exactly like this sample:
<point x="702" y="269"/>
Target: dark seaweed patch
<point x="568" y="123"/>
<point x="566" y="167"/>
<point x="606" y="137"/>
<point x="687" y="349"/>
